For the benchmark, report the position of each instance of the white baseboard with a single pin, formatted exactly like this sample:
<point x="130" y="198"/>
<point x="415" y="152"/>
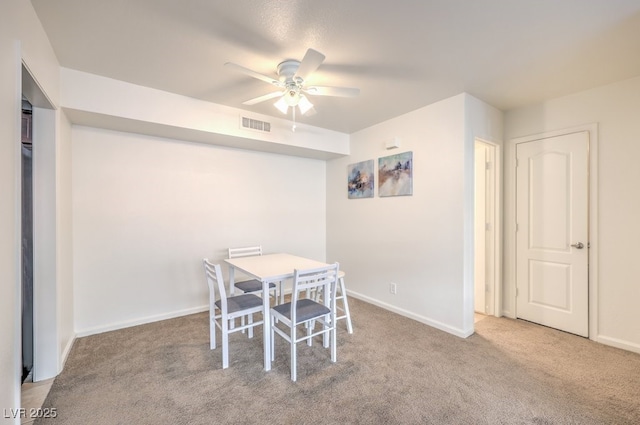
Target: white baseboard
<point x="509" y="314"/>
<point x="66" y="351"/>
<point x="618" y="343"/>
<point x="427" y="321"/>
<point x="140" y="321"/>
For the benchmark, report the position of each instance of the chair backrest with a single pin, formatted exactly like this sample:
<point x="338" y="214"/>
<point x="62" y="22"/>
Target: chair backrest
<point x="321" y="278"/>
<point x="215" y="283"/>
<point x="248" y="251"/>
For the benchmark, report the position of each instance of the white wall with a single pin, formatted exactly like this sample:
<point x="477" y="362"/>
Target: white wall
<point x="615" y="108"/>
<point x="22" y="39"/>
<point x="10" y="359"/>
<point x="419" y="242"/>
<point x="64" y="247"/>
<point x="146" y="210"/>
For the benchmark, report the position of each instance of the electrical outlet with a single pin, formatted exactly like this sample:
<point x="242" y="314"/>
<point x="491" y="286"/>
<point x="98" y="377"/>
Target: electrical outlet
<point x="393" y="288"/>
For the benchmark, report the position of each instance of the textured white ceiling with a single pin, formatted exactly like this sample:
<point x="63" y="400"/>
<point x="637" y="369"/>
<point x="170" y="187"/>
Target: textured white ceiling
<point x="402" y="54"/>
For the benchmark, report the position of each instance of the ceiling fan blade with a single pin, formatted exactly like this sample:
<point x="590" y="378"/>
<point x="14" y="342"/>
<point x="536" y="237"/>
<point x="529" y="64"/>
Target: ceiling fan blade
<point x="311" y="112"/>
<point x="262" y="98"/>
<point x="332" y="91"/>
<point x="311" y="61"/>
<point x="253" y="74"/>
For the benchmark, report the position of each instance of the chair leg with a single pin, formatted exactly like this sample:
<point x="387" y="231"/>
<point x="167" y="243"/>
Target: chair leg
<point x="273" y="340"/>
<point x="293" y="353"/>
<point x="212" y="331"/>
<point x="312" y="324"/>
<point x="334" y="341"/>
<point x="233" y="322"/>
<point x="325" y="338"/>
<point x="345" y="305"/>
<point x="310" y="327"/>
<point x="225" y="344"/>
<point x="250" y="319"/>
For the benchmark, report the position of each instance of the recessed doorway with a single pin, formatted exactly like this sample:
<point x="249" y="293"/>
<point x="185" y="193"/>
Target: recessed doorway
<point x="27" y="241"/>
<point x="487" y="245"/>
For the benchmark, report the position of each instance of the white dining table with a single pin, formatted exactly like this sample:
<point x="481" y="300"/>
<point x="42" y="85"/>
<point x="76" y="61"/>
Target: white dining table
<point x="268" y="268"/>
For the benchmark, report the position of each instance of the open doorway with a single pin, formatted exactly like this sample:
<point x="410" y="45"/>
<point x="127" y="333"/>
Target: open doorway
<point x="487" y="229"/>
<point x="39" y="163"/>
<point x="27" y="240"/>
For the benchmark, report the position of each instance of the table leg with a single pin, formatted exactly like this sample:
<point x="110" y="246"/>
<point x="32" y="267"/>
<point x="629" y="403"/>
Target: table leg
<point x="232" y="277"/>
<point x="232" y="287"/>
<point x="266" y="330"/>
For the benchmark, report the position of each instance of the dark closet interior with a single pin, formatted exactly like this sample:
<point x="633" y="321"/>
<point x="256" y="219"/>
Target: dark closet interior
<point x="27" y="242"/>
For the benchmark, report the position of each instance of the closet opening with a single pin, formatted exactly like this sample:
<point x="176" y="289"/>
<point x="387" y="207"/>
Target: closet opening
<point x="26" y="141"/>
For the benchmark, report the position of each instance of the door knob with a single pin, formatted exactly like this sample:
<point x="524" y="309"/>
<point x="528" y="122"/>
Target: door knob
<point x="578" y="245"/>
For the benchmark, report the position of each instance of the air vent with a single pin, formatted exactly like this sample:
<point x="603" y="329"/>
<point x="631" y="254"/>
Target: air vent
<point x="251" y="124"/>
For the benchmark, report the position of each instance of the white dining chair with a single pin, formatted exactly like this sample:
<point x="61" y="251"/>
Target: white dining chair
<point x="342" y="311"/>
<point x="308" y="312"/>
<point x="224" y="311"/>
<point x="253" y="285"/>
<point x="341" y="295"/>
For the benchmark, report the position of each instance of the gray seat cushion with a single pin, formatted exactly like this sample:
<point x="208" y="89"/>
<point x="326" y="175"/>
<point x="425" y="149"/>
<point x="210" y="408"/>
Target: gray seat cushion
<point x="306" y="310"/>
<point x="252" y="285"/>
<point x="241" y="302"/>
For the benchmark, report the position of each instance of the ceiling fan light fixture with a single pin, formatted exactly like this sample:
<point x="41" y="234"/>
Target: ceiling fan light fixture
<point x="304" y="104"/>
<point x="282" y="105"/>
<point x="291" y="97"/>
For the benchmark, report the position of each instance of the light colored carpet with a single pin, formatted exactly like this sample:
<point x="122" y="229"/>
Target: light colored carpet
<point x="392" y="370"/>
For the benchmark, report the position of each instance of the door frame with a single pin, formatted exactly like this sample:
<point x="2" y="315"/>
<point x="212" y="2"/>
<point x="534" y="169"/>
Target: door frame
<point x="509" y="288"/>
<point x="497" y="222"/>
<point x="47" y="361"/>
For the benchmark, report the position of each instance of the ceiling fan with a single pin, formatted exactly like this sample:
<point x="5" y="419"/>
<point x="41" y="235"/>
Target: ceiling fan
<point x="291" y="82"/>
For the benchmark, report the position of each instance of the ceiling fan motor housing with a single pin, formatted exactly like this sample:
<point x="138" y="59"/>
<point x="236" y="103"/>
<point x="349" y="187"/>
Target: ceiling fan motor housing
<point x="287" y="69"/>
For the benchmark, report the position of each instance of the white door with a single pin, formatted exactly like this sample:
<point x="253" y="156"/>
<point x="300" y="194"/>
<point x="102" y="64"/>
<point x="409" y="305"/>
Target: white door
<point x="552" y="232"/>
